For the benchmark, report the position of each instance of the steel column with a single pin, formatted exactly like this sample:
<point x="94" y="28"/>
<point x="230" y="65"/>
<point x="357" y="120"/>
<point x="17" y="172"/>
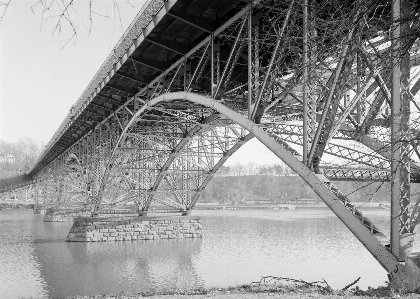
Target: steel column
<point x="272" y="60"/>
<point x="305" y="82"/>
<point x="395" y="130"/>
<point x="250" y="63"/>
<point x="406" y="98"/>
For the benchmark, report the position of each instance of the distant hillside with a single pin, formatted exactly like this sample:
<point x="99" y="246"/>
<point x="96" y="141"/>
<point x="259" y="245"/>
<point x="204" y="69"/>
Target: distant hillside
<point x="24" y="153"/>
<point x="250" y="187"/>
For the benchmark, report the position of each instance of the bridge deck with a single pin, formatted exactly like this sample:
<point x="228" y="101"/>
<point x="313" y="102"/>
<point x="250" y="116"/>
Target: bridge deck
<point x="192" y="81"/>
<point x="161" y="34"/>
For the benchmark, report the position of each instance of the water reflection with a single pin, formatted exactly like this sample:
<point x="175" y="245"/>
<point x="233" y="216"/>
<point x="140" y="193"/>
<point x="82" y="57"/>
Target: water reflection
<point x="19" y="272"/>
<point x="97" y="268"/>
<point x="238" y="247"/>
<point x="309" y="249"/>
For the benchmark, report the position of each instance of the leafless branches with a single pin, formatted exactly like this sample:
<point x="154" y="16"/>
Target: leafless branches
<point x="4" y="5"/>
<point x="277" y="283"/>
<point x="68" y="19"/>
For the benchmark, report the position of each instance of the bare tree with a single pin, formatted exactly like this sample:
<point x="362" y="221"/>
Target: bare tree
<point x="24" y="151"/>
<point x="68" y="18"/>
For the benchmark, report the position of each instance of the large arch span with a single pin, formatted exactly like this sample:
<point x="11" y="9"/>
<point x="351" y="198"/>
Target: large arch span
<point x="368" y="234"/>
<point x="170" y="166"/>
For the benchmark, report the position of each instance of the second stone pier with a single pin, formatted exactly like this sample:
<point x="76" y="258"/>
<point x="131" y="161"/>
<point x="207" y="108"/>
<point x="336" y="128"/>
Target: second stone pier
<point x="52" y="215"/>
<point x="106" y="229"/>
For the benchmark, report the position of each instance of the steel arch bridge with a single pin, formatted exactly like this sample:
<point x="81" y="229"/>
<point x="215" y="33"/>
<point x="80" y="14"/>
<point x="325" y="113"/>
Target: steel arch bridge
<point x="191" y="81"/>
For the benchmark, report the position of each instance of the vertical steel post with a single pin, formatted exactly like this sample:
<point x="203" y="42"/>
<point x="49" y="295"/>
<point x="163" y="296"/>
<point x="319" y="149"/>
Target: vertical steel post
<point x="60" y="179"/>
<point x="395" y="130"/>
<point x="185" y="74"/>
<point x="305" y="82"/>
<point x="313" y="90"/>
<point x="405" y="120"/>
<point x="44" y="186"/>
<point x="358" y="105"/>
<point x="256" y="61"/>
<point x="212" y="66"/>
<point x="360" y="110"/>
<point x="250" y="63"/>
<point x="36" y="186"/>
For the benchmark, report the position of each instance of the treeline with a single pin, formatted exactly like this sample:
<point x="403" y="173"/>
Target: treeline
<point x="240" y="188"/>
<point x="25" y="152"/>
<point x="225" y="189"/>
<point x="254" y="169"/>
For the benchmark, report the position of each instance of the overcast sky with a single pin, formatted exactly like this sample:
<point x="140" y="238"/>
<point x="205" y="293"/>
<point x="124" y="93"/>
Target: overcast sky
<point x="40" y="80"/>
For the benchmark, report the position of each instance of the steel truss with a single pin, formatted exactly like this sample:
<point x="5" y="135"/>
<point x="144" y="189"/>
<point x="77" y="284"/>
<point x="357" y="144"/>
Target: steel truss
<point x="361" y="226"/>
<point x="154" y="133"/>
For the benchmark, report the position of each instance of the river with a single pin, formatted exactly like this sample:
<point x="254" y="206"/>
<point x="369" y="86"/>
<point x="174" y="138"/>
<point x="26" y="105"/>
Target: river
<point x="238" y="247"/>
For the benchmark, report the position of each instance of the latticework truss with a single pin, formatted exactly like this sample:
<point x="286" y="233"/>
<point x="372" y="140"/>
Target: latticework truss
<point x="329" y="86"/>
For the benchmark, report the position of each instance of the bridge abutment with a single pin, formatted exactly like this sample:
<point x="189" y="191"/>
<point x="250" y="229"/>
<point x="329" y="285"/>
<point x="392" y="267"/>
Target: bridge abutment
<point x="106" y="229"/>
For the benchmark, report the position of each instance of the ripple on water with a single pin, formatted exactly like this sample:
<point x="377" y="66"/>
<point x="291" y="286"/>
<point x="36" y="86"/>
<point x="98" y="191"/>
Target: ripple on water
<point x="238" y="247"/>
<point x="19" y="273"/>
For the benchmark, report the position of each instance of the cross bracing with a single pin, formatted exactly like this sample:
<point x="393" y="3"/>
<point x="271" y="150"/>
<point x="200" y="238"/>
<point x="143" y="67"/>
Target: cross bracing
<point x="191" y="81"/>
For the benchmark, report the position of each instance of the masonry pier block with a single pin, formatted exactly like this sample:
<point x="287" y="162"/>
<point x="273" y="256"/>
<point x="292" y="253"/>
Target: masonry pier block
<point x="39" y="210"/>
<point x="106" y="229"/>
<point x="64" y="216"/>
<point x="407" y="278"/>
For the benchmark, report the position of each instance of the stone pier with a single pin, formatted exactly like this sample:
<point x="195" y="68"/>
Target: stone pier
<point x="38" y="209"/>
<point x="53" y="215"/>
<point x="106" y="229"/>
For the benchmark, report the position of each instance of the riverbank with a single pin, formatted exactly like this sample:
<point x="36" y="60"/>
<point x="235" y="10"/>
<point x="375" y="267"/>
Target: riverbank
<point x="288" y="206"/>
<point x="238" y="247"/>
<point x="16" y="206"/>
<point x="247" y="292"/>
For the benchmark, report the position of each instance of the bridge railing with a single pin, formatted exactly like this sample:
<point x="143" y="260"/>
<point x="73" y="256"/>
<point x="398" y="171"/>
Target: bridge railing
<point x="143" y="18"/>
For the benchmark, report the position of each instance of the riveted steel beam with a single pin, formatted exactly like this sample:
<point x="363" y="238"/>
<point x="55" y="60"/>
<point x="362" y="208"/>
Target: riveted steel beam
<point x="157" y="65"/>
<point x="360" y="226"/>
<point x="174" y="46"/>
<point x="200" y="22"/>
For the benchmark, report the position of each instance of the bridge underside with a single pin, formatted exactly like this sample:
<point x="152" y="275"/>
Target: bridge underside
<point x="192" y="81"/>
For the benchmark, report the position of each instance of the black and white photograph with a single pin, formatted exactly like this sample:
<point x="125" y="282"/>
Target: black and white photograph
<point x="225" y="149"/>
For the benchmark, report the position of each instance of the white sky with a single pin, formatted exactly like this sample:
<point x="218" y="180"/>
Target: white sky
<point x="40" y="80"/>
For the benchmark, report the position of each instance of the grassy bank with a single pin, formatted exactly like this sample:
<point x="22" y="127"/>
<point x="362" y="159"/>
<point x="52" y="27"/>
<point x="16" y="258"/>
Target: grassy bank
<point x="290" y="289"/>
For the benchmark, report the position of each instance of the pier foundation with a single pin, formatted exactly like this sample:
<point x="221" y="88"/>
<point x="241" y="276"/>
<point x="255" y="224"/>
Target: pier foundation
<point x="407" y="276"/>
<point x="53" y="215"/>
<point x="40" y="209"/>
<point x="108" y="229"/>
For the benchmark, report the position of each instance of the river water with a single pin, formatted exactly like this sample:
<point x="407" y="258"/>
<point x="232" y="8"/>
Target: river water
<point x="238" y="247"/>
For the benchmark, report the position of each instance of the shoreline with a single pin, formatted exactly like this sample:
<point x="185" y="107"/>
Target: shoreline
<point x="246" y="291"/>
<point x="16" y="206"/>
<point x="30" y="205"/>
<point x="287" y="291"/>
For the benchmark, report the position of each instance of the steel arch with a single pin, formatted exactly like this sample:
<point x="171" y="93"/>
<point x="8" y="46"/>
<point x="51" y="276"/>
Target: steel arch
<point x="219" y="164"/>
<point x="198" y="133"/>
<point x="73" y="156"/>
<point x="172" y="157"/>
<point x="193" y="132"/>
<point x="78" y="179"/>
<point x="319" y="183"/>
